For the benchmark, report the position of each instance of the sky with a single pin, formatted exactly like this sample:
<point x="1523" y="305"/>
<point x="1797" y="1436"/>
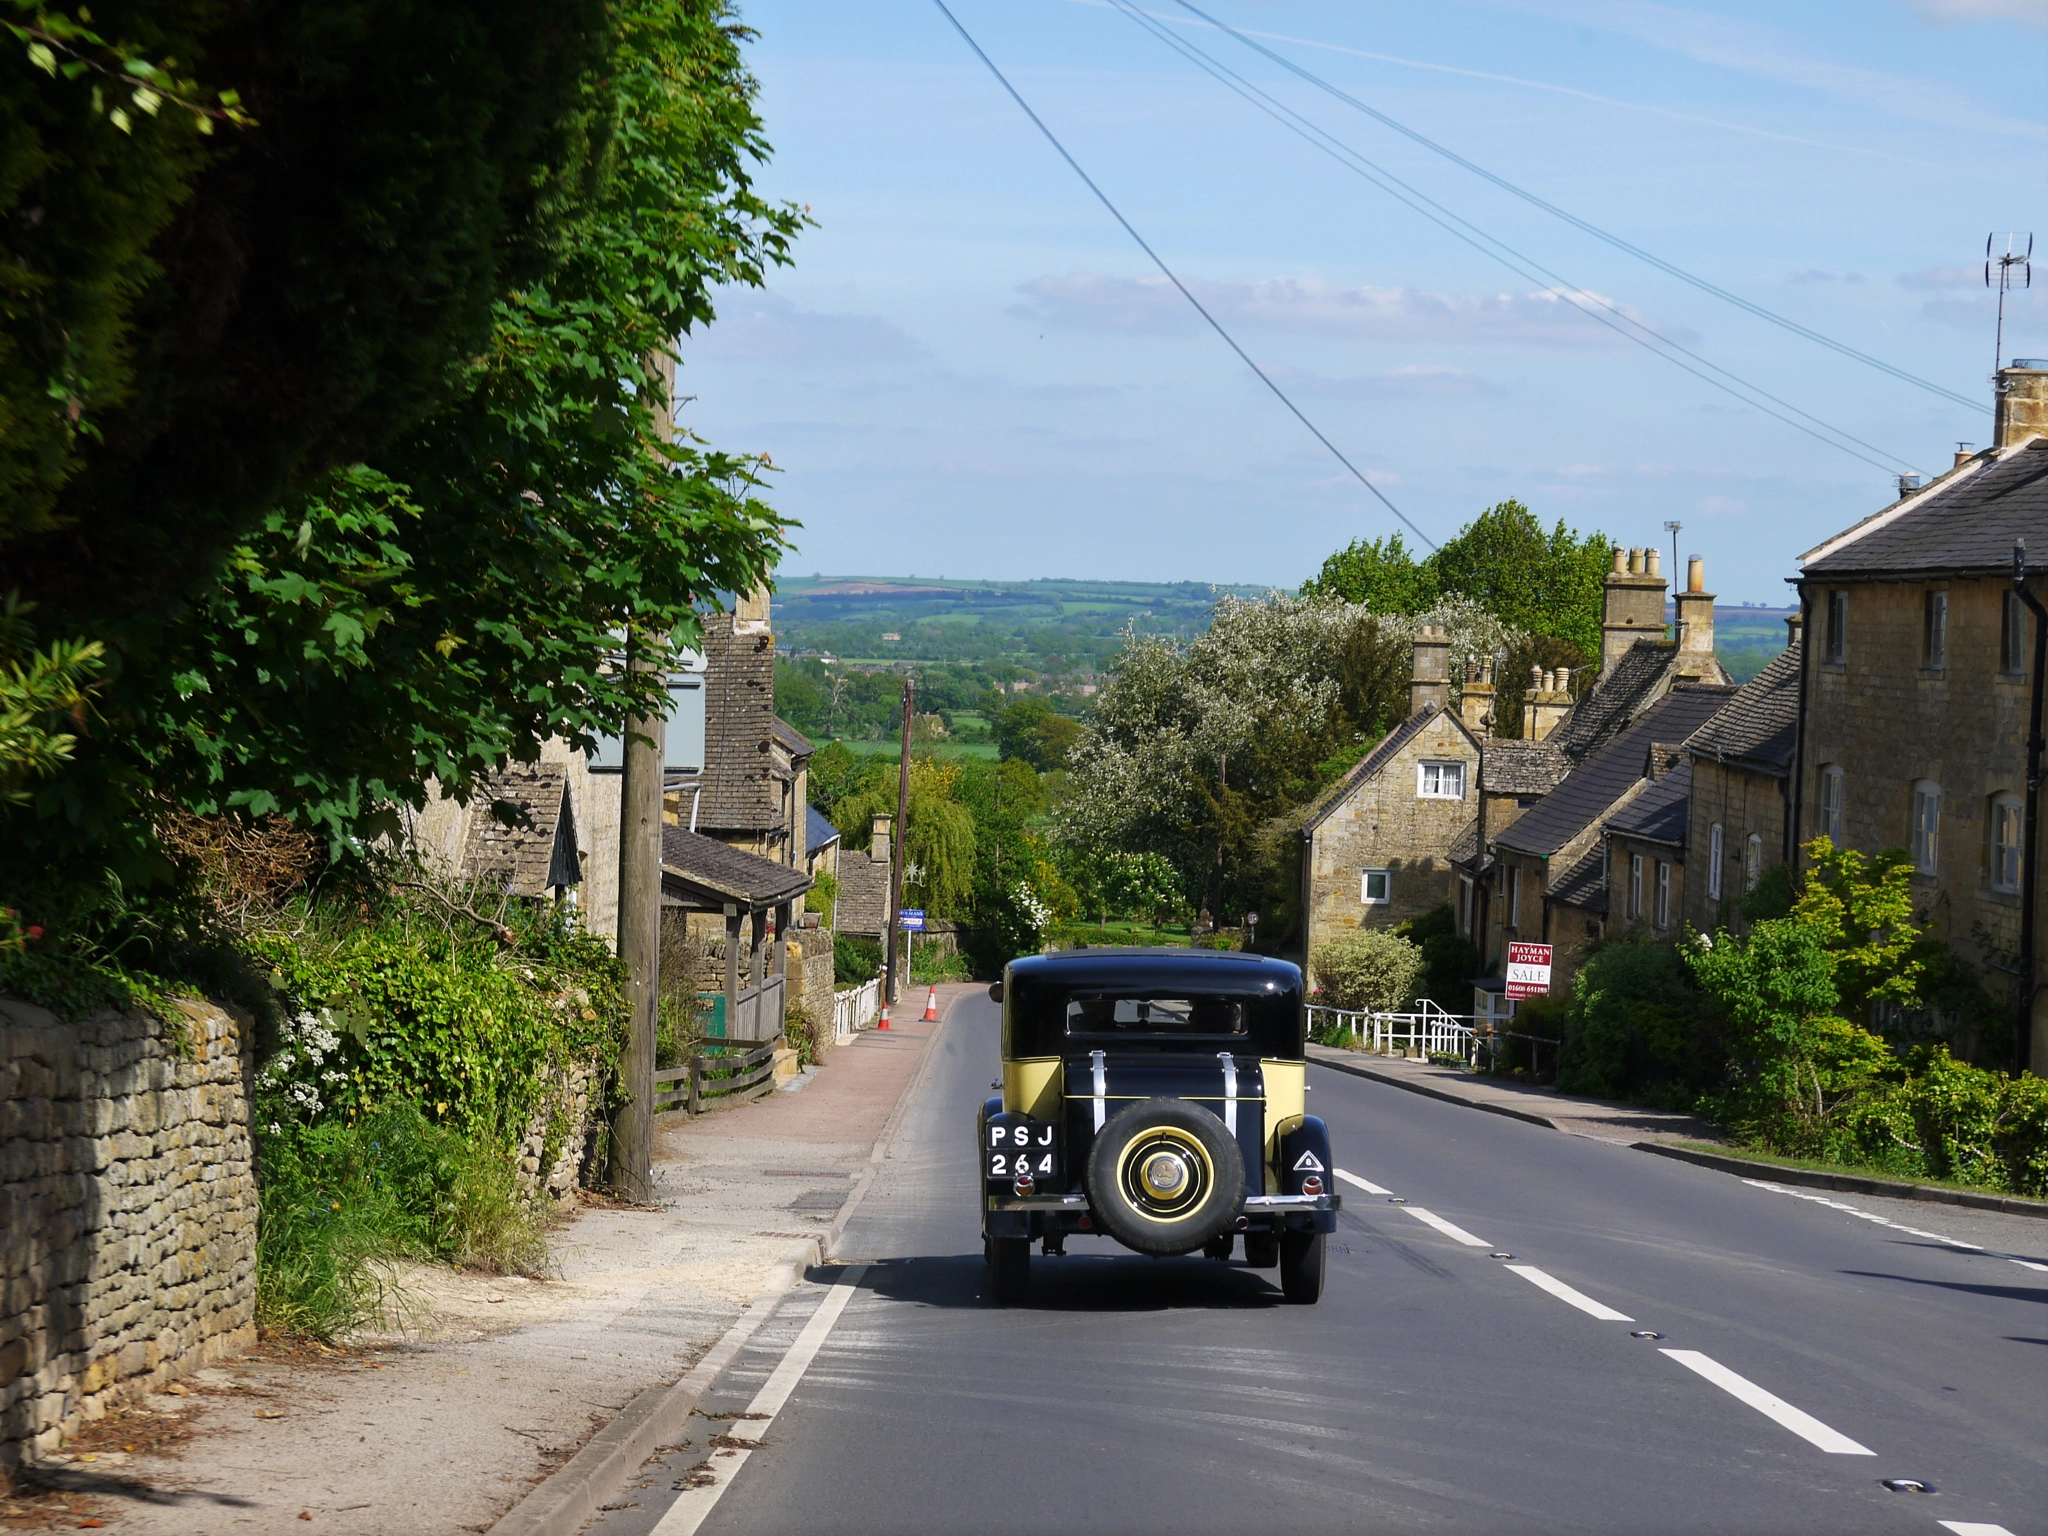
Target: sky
<point x="971" y="370"/>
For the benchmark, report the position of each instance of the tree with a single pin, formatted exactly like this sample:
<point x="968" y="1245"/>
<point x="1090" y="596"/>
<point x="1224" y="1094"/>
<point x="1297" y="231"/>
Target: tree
<point x="1384" y="577"/>
<point x="1030" y="731"/>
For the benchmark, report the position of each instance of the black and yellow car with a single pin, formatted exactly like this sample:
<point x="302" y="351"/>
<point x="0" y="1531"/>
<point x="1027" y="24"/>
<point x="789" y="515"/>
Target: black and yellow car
<point x="1159" y="1097"/>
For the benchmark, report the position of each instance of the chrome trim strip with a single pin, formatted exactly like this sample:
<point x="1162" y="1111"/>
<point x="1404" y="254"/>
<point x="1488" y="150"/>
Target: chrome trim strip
<point x="1038" y="1202"/>
<point x="1294" y="1202"/>
<point x="1101" y="1088"/>
<point x="1229" y="1091"/>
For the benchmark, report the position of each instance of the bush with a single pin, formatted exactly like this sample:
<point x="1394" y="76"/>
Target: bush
<point x="1631" y="1026"/>
<point x="854" y="959"/>
<point x="1370" y="969"/>
<point x="1448" y="962"/>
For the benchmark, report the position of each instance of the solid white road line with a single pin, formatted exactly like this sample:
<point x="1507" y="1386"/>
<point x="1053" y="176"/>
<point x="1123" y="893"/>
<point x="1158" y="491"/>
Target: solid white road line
<point x="1804" y="1425"/>
<point x="1566" y="1294"/>
<point x="1886" y="1221"/>
<point x="690" y="1508"/>
<point x="1448" y="1228"/>
<point x="1972" y="1528"/>
<point x="1365" y="1184"/>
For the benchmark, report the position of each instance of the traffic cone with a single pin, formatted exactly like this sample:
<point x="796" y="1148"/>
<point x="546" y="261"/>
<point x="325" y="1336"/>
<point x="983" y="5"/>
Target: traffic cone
<point x="931" y="1007"/>
<point x="885" y="1017"/>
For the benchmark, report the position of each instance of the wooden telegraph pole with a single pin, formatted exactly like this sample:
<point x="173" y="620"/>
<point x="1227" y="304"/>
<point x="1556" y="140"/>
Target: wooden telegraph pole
<point x="891" y="986"/>
<point x="640" y="792"/>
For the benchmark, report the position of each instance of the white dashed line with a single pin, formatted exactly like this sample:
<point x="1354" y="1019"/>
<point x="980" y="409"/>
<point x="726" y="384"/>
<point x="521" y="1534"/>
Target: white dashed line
<point x="688" y="1511"/>
<point x="1365" y="1184"/>
<point x="1771" y="1406"/>
<point x="1566" y="1294"/>
<point x="1449" y="1228"/>
<point x="1972" y="1528"/>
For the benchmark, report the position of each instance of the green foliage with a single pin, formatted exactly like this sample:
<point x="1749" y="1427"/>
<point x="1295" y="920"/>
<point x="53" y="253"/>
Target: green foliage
<point x="1367" y="969"/>
<point x="1449" y="963"/>
<point x="1630" y="1025"/>
<point x="1126" y="885"/>
<point x="1031" y="731"/>
<point x="40" y="692"/>
<point x="855" y="960"/>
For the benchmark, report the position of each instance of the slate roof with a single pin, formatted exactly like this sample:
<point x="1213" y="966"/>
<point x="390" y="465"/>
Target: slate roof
<point x="1608" y="774"/>
<point x="1523" y="768"/>
<point x="1605" y="712"/>
<point x="540" y="851"/>
<point x="740" y="790"/>
<point x="1658" y="814"/>
<point x="863" y="904"/>
<point x="1584" y="885"/>
<point x="1320" y="808"/>
<point x="703" y="868"/>
<point x="1964" y="522"/>
<point x="1760" y="727"/>
<point x="797" y="743"/>
<point x="819" y="831"/>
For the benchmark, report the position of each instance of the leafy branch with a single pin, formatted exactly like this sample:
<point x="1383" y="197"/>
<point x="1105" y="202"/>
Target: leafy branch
<point x="69" y="49"/>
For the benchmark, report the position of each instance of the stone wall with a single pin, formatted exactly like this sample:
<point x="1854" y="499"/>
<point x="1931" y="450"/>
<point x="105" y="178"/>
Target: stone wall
<point x="1744" y="804"/>
<point x="128" y="1204"/>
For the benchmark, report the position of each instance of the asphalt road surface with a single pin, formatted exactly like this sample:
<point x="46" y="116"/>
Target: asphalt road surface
<point x="1476" y="1364"/>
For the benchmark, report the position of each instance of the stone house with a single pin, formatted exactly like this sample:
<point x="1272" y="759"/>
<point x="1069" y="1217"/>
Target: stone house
<point x="1741" y="769"/>
<point x="1549" y="881"/>
<point x="1376" y="844"/>
<point x="1642" y="886"/>
<point x="1917" y="678"/>
<point x="754" y="792"/>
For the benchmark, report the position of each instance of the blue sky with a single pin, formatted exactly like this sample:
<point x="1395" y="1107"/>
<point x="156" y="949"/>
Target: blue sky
<point x="971" y="371"/>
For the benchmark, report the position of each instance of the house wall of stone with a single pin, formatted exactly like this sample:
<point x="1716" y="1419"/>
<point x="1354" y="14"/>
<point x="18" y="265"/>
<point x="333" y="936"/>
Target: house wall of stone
<point x="1743" y="803"/>
<point x="1622" y="918"/>
<point x="1385" y="824"/>
<point x="1890" y="722"/>
<point x="1569" y="931"/>
<point x="128" y="1203"/>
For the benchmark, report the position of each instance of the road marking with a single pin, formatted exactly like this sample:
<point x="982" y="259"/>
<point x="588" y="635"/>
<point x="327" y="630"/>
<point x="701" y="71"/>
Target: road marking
<point x="1365" y="1184"/>
<point x="1972" y="1528"/>
<point x="1566" y="1294"/>
<point x="1804" y="1425"/>
<point x="1448" y="1228"/>
<point x="1886" y="1221"/>
<point x="693" y="1504"/>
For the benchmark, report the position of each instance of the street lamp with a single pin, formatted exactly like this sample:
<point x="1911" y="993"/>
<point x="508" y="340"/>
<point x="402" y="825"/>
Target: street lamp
<point x="1251" y="929"/>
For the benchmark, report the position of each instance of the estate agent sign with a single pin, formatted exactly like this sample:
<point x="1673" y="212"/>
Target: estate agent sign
<point x="1528" y="970"/>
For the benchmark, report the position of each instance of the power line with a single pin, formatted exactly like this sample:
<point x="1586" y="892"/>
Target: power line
<point x="1608" y="313"/>
<point x="1578" y="223"/>
<point x="1214" y="324"/>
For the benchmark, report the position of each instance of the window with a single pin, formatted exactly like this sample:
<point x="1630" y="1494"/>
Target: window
<point x="1926" y="826"/>
<point x="1752" y="862"/>
<point x="1838" y="627"/>
<point x="1831" y="804"/>
<point x="2012" y="636"/>
<point x="2006" y="824"/>
<point x="1465" y="906"/>
<point x="1374" y="886"/>
<point x="1440" y="781"/>
<point x="1515" y="900"/>
<point x="1716" y="852"/>
<point x="1934" y="630"/>
<point x="1635" y="885"/>
<point x="1663" y="894"/>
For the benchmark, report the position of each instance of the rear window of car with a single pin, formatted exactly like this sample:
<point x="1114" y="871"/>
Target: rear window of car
<point x="1106" y="1014"/>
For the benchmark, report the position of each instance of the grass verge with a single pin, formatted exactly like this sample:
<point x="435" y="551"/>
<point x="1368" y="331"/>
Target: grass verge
<point x="1851" y="1170"/>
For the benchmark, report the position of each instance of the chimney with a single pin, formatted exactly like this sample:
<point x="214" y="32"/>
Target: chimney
<point x="1695" y="607"/>
<point x="2022" y="407"/>
<point x="1634" y="608"/>
<point x="750" y="613"/>
<point x="1547" y="702"/>
<point x="1475" y="708"/>
<point x="1432" y="678"/>
<point x="878" y="838"/>
<point x="1963" y="455"/>
<point x="1792" y="623"/>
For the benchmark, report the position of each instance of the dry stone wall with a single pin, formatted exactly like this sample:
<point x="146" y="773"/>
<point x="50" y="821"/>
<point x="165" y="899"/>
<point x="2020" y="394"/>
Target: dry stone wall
<point x="128" y="1208"/>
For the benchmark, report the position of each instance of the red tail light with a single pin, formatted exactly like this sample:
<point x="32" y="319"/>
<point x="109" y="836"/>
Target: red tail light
<point x="1025" y="1183"/>
<point x="1312" y="1185"/>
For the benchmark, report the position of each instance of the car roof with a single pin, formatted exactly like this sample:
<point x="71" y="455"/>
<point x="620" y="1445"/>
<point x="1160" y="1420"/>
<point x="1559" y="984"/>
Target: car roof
<point x="1210" y="969"/>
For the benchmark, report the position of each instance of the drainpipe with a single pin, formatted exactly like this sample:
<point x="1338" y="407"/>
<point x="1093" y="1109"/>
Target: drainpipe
<point x="2024" y="1045"/>
<point x="1799" y="735"/>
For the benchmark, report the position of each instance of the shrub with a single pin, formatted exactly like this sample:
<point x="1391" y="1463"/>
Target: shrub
<point x="1448" y="962"/>
<point x="1630" y="1025"/>
<point x="854" y="959"/>
<point x="1370" y="969"/>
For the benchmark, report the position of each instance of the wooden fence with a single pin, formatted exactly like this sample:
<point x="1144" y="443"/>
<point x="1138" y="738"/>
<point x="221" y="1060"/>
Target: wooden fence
<point x="715" y="1079"/>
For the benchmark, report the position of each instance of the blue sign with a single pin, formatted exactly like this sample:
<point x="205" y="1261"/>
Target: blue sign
<point x="911" y="919"/>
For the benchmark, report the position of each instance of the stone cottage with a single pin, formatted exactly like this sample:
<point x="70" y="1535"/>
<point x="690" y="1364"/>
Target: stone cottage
<point x="1376" y="844"/>
<point x="1741" y="771"/>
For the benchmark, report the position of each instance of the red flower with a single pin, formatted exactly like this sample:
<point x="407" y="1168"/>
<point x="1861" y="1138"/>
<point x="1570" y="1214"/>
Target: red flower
<point x="35" y="930"/>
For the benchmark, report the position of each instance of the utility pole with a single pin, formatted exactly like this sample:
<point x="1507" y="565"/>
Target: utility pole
<point x="640" y="792"/>
<point x="896" y="842"/>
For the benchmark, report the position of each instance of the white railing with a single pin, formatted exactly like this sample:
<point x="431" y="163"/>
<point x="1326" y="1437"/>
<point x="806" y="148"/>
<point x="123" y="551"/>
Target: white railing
<point x="856" y="1009"/>
<point x="1429" y="1031"/>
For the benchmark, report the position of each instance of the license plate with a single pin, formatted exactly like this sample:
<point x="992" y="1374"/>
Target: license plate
<point x="1024" y="1146"/>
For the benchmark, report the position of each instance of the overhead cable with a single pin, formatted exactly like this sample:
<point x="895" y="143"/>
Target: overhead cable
<point x="1214" y="324"/>
<point x="1593" y="305"/>
<point x="1671" y="268"/>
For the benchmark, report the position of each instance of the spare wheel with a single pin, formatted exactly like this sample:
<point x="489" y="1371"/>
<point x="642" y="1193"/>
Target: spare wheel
<point x="1165" y="1177"/>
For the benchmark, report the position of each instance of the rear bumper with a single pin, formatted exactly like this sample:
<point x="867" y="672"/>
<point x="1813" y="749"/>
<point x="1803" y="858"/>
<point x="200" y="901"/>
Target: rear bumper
<point x="1253" y="1204"/>
<point x="1040" y="1215"/>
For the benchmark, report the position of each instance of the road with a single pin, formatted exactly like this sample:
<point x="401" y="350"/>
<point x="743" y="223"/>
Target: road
<point x="1804" y="1354"/>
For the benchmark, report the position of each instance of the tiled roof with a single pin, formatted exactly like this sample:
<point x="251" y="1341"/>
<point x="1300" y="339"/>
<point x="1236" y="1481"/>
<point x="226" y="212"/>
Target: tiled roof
<point x="819" y="831"/>
<point x="540" y="851"/>
<point x="1584" y="885"/>
<point x="1658" y="813"/>
<point x="705" y="867"/>
<point x="863" y="904"/>
<point x="1760" y="726"/>
<point x="1373" y="761"/>
<point x="1605" y="712"/>
<point x="740" y="792"/>
<point x="1523" y="768"/>
<point x="797" y="743"/>
<point x="1966" y="521"/>
<point x="1607" y="775"/>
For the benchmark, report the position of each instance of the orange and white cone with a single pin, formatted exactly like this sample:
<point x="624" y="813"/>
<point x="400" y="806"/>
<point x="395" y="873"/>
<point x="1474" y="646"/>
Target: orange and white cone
<point x="885" y="1017"/>
<point x="931" y="1007"/>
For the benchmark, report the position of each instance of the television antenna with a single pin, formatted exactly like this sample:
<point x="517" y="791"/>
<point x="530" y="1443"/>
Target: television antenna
<point x="2014" y="268"/>
<point x="1672" y="529"/>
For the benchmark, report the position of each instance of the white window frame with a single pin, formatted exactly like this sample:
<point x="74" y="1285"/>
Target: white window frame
<point x="1752" y="862"/>
<point x="1365" y="880"/>
<point x="1717" y="850"/>
<point x="1831" y="804"/>
<point x="1926" y="827"/>
<point x="1439" y="770"/>
<point x="1635" y="886"/>
<point x="1465" y="906"/>
<point x="1663" y="895"/>
<point x="2007" y="829"/>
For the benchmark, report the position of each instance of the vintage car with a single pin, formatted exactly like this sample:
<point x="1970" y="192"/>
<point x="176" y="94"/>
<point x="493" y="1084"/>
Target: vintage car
<point x="1156" y="1096"/>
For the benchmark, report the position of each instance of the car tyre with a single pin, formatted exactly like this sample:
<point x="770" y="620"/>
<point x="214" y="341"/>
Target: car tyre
<point x="1168" y="1135"/>
<point x="1261" y="1249"/>
<point x="1010" y="1269"/>
<point x="1301" y="1267"/>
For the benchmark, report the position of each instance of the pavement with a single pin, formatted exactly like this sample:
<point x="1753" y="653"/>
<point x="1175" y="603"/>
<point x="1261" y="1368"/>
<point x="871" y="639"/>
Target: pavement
<point x="498" y="1380"/>
<point x="1522" y="1332"/>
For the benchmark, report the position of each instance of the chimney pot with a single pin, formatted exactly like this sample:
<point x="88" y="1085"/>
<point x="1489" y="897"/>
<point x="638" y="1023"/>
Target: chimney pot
<point x="1635" y="560"/>
<point x="1620" y="561"/>
<point x="1963" y="455"/>
<point x="1653" y="561"/>
<point x="1695" y="574"/>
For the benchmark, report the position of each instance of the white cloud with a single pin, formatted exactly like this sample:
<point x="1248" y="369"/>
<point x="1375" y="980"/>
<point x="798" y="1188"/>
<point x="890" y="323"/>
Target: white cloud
<point x="2032" y="12"/>
<point x="765" y="327"/>
<point x="1971" y="276"/>
<point x="1090" y="301"/>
